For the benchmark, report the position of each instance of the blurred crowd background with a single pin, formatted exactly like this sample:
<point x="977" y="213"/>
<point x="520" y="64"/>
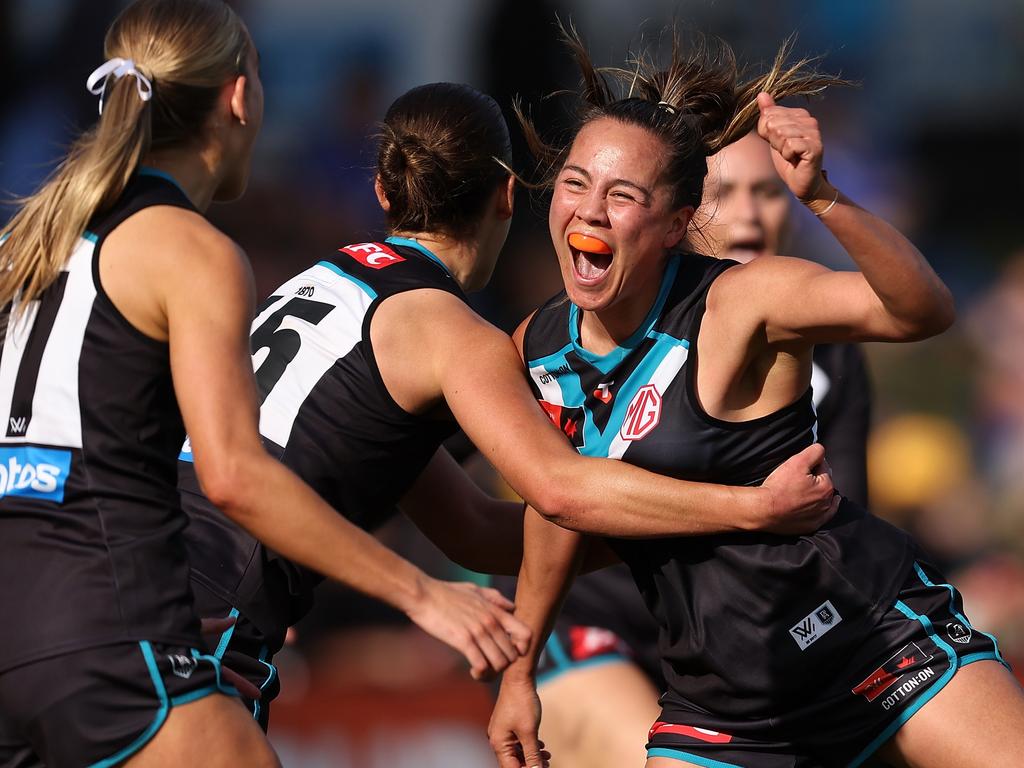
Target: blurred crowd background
<point x="933" y="139"/>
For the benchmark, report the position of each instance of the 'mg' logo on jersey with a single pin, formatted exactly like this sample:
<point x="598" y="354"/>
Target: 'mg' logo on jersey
<point x="37" y="473"/>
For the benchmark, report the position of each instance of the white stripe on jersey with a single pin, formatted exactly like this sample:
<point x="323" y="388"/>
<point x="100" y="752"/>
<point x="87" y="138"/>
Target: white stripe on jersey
<point x="56" y="413"/>
<point x="321" y="345"/>
<point x="663" y="376"/>
<point x="550" y="391"/>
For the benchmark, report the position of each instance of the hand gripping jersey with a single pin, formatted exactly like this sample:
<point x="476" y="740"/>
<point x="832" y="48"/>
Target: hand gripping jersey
<point x="748" y="623"/>
<point x="91" y="551"/>
<point x="327" y="415"/>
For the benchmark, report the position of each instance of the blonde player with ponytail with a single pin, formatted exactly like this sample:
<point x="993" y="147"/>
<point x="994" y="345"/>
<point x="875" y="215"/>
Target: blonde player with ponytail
<point x="127" y="317"/>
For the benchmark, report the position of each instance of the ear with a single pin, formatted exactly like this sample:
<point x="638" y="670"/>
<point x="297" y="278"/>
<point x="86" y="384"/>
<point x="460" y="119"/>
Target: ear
<point x="507" y="198"/>
<point x="237" y="94"/>
<point x="677" y="227"/>
<point x="382" y="197"/>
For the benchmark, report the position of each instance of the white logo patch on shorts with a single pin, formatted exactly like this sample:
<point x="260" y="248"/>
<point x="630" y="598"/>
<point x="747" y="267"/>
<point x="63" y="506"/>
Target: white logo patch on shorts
<point x="183" y="666"/>
<point x="815" y="624"/>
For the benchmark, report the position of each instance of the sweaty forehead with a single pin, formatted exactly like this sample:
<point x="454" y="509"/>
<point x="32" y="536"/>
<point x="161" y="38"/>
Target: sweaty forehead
<point x="608" y="148"/>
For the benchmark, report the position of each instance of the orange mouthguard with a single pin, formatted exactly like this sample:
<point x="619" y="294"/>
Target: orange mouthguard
<point x="588" y="243"/>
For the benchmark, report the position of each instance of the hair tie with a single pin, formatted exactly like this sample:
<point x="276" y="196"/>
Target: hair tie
<point x="667" y="107"/>
<point x="97" y="82"/>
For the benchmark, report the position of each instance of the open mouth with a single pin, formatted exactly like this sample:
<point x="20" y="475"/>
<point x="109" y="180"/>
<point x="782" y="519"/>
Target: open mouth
<point x="745" y="249"/>
<point x="591" y="258"/>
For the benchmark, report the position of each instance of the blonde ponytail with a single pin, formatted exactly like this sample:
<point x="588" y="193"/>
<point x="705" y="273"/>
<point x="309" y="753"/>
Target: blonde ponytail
<point x="186" y="49"/>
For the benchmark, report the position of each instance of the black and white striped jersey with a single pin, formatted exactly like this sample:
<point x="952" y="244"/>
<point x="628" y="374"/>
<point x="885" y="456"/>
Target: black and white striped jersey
<point x="327" y="415"/>
<point x="729" y="607"/>
<point x="90" y="523"/>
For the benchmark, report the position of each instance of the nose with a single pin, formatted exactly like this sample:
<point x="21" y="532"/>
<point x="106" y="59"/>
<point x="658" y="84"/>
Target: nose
<point x="745" y="206"/>
<point x="592" y="208"/>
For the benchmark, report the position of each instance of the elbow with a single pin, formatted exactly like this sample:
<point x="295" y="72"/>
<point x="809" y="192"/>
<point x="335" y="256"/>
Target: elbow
<point x="561" y="507"/>
<point x="935" y="319"/>
<point x="224" y="482"/>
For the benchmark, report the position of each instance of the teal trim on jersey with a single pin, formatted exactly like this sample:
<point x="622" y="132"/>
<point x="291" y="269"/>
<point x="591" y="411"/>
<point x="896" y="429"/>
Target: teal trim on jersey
<point x="605" y="363"/>
<point x="225" y="637"/>
<point x="552" y="361"/>
<point x="925" y="696"/>
<point x="215" y="663"/>
<point x="158" y="719"/>
<point x="594" y="661"/>
<point x="339" y="271"/>
<point x="952" y="609"/>
<point x="145" y="170"/>
<point x="3" y="237"/>
<point x="409" y="243"/>
<point x="688" y="757"/>
<point x="92" y="237"/>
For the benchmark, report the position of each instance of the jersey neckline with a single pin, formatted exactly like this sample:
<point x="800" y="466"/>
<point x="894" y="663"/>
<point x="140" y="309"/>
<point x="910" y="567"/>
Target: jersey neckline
<point x="408" y="242"/>
<point x="613" y="358"/>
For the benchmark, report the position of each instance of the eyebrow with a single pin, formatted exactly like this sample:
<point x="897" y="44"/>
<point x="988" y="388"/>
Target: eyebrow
<point x="615" y="182"/>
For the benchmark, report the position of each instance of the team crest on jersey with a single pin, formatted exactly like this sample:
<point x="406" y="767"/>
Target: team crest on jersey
<point x="643" y="414"/>
<point x="569" y="420"/>
<point x="372" y="255"/>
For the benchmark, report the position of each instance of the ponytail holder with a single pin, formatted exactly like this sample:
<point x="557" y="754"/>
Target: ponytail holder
<point x="97" y="82"/>
<point x="667" y="107"/>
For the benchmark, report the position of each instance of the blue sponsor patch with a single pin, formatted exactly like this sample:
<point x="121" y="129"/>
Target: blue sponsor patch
<point x="186" y="451"/>
<point x="35" y="473"/>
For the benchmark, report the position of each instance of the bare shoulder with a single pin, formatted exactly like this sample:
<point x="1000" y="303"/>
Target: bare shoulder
<point x="520" y="332"/>
<point x="180" y="239"/>
<point x="762" y="277"/>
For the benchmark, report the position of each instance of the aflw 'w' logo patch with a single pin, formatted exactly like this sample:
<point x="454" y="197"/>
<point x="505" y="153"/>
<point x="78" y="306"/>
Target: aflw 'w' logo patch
<point x="815" y="624"/>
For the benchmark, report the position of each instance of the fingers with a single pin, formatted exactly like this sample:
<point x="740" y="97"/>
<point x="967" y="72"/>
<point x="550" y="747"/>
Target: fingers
<point x="239" y="683"/>
<point x="811" y="456"/>
<point x="519" y="633"/>
<point x="497" y="598"/>
<point x="532" y="749"/>
<point x="765" y="101"/>
<point x="218" y="626"/>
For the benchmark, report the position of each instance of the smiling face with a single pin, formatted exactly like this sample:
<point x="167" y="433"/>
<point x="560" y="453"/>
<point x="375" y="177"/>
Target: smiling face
<point x="612" y="188"/>
<point x="746" y="205"/>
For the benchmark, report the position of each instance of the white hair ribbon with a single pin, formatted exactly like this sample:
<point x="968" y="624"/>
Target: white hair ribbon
<point x="97" y="82"/>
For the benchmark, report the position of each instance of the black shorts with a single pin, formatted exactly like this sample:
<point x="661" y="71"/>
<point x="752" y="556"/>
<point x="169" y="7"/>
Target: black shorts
<point x="911" y="654"/>
<point x="99" y="706"/>
<point x="571" y="646"/>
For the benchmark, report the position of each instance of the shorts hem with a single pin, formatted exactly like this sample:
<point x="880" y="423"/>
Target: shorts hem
<point x="683" y="756"/>
<point x="595" y="661"/>
<point x="158" y="720"/>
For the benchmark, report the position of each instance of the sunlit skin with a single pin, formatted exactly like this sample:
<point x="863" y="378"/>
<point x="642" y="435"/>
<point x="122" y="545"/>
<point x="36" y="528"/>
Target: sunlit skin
<point x="746" y="206"/>
<point x="611" y="187"/>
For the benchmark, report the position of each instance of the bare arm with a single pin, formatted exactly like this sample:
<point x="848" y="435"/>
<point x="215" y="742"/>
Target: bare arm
<point x="477" y="531"/>
<point x="461" y="359"/>
<point x="208" y="298"/>
<point x="896" y="296"/>
<point x="551" y="559"/>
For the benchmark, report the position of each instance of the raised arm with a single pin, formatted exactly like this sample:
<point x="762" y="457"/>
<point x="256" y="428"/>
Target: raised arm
<point x="475" y="369"/>
<point x="896" y="296"/>
<point x="209" y="299"/>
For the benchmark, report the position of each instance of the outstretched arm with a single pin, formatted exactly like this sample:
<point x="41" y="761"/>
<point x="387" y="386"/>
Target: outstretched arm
<point x="478" y="372"/>
<point x="209" y="300"/>
<point x="896" y="296"/>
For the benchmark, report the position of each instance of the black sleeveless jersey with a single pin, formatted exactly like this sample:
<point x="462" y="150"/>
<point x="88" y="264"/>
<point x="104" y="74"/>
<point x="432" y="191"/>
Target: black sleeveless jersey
<point x="325" y="414"/>
<point x="747" y="622"/>
<point x="90" y="523"/>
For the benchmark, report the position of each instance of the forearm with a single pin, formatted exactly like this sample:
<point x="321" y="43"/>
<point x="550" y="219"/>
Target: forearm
<point x="612" y="498"/>
<point x="909" y="291"/>
<point x="551" y="559"/>
<point x="305" y="529"/>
